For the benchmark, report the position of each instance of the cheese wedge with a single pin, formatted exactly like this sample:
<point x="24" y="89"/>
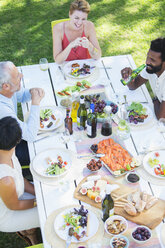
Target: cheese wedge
<point x="101" y="184"/>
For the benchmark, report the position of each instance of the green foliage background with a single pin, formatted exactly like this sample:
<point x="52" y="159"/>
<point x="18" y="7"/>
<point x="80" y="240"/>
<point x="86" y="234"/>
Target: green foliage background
<point x="122" y="26"/>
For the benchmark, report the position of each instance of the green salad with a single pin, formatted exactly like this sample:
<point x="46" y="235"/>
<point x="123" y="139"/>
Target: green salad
<point x="84" y="84"/>
<point x="45" y="113"/>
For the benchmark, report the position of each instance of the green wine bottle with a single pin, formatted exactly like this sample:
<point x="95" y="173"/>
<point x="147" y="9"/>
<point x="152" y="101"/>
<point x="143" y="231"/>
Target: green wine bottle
<point x="133" y="75"/>
<point x="82" y="115"/>
<point x="91" y="122"/>
<point x="107" y="204"/>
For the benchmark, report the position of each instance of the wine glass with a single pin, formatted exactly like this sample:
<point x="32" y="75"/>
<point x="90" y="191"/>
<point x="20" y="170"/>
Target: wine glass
<point x="65" y="136"/>
<point x="43" y="64"/>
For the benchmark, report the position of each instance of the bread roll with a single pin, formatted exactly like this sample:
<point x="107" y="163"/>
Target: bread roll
<point x="140" y="205"/>
<point x="130" y="209"/>
<point x="151" y="202"/>
<point x="136" y="196"/>
<point x="144" y="196"/>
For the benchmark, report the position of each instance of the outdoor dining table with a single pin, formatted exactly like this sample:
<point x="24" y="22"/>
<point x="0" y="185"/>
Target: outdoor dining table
<point x="50" y="196"/>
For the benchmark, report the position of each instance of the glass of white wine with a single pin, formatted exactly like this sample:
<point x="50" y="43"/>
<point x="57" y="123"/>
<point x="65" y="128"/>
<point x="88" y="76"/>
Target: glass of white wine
<point x="44" y="65"/>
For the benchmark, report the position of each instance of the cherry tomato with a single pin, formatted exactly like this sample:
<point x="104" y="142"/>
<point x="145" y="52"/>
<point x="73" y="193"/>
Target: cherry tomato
<point x="65" y="163"/>
<point x="156" y="154"/>
<point x="157" y="172"/>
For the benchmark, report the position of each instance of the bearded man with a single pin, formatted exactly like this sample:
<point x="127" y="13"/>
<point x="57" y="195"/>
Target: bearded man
<point x="154" y="73"/>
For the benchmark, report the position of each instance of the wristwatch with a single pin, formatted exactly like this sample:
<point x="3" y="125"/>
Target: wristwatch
<point x="154" y="98"/>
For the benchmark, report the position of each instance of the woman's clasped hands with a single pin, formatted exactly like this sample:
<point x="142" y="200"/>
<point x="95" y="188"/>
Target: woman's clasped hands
<point x="80" y="41"/>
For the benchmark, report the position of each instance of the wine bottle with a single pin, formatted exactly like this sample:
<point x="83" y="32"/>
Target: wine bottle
<point x="75" y="106"/>
<point x="68" y="121"/>
<point x="106" y="128"/>
<point x="107" y="204"/>
<point x="133" y="75"/>
<point x="91" y="122"/>
<point x="82" y="115"/>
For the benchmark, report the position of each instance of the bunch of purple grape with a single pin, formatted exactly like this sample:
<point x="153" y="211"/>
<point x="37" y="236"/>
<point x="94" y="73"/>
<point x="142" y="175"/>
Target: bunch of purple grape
<point x="99" y="105"/>
<point x="114" y="107"/>
<point x="134" y="117"/>
<point x="141" y="234"/>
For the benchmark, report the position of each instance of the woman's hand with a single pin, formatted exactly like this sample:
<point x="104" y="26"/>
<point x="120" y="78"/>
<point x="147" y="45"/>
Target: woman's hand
<point x="77" y="42"/>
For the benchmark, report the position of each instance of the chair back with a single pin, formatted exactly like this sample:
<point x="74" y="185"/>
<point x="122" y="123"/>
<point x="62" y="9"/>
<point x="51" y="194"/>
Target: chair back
<point x="36" y="246"/>
<point x="53" y="23"/>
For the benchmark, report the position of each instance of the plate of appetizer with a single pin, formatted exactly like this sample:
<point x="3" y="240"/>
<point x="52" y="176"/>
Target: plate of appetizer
<point x="117" y="159"/>
<point x="52" y="163"/>
<point x="51" y="117"/>
<point x="92" y="189"/>
<point x="154" y="163"/>
<point x="79" y="69"/>
<point x="76" y="88"/>
<point x="78" y="222"/>
<point x="139" y="114"/>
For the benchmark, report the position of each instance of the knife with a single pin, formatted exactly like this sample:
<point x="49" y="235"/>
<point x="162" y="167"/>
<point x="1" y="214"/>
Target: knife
<point x="59" y="67"/>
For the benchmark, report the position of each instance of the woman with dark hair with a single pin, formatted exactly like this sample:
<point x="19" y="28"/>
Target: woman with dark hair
<point x="16" y="214"/>
<point x="76" y="38"/>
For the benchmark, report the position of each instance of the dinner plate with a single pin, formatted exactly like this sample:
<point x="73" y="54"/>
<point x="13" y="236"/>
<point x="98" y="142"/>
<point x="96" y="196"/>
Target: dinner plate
<point x="150" y="169"/>
<point x="56" y="123"/>
<point x="63" y="234"/>
<point x="40" y="164"/>
<point x="147" y="120"/>
<point x="68" y="68"/>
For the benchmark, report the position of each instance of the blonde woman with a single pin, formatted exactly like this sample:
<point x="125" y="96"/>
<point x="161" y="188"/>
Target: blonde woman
<point x="76" y="38"/>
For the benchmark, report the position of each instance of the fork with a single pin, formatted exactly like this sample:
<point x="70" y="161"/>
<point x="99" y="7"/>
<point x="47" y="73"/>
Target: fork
<point x="68" y="241"/>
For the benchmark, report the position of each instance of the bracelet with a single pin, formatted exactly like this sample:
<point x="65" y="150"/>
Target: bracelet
<point x="35" y="203"/>
<point x="95" y="50"/>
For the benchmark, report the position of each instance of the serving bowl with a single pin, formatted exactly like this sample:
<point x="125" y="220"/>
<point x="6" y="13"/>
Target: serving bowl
<point x="132" y="177"/>
<point x="117" y="240"/>
<point x="94" y="165"/>
<point x="141" y="234"/>
<point x="120" y="223"/>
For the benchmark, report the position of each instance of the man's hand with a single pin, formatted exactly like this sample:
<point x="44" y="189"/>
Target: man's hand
<point x="37" y="95"/>
<point x="126" y="72"/>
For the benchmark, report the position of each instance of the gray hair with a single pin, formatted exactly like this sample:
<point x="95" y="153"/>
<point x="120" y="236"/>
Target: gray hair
<point x="5" y="76"/>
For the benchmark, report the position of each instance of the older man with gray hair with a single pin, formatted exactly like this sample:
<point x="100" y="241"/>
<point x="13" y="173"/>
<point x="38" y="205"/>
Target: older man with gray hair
<point x="10" y="94"/>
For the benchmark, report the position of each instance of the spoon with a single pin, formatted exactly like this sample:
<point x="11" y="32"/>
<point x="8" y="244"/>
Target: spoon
<point x="97" y="155"/>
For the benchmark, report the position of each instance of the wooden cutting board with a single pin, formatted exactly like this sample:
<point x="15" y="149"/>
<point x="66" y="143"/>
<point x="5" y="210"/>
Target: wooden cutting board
<point x="151" y="217"/>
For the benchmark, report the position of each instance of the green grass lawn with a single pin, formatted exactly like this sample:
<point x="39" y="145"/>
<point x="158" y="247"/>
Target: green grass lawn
<point x="122" y="26"/>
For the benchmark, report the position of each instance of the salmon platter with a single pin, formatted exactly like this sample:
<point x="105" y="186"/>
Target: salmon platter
<point x="117" y="159"/>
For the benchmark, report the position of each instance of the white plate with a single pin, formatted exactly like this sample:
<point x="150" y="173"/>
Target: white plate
<point x="40" y="164"/>
<point x="68" y="67"/>
<point x="150" y="169"/>
<point x="148" y="119"/>
<point x="56" y="123"/>
<point x="59" y="221"/>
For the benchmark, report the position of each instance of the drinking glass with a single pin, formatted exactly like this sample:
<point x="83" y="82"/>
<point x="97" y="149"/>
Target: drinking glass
<point x="43" y="64"/>
<point x="161" y="125"/>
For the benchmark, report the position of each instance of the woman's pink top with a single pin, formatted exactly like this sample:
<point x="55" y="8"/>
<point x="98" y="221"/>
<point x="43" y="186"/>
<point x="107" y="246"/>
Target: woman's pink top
<point x="76" y="52"/>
